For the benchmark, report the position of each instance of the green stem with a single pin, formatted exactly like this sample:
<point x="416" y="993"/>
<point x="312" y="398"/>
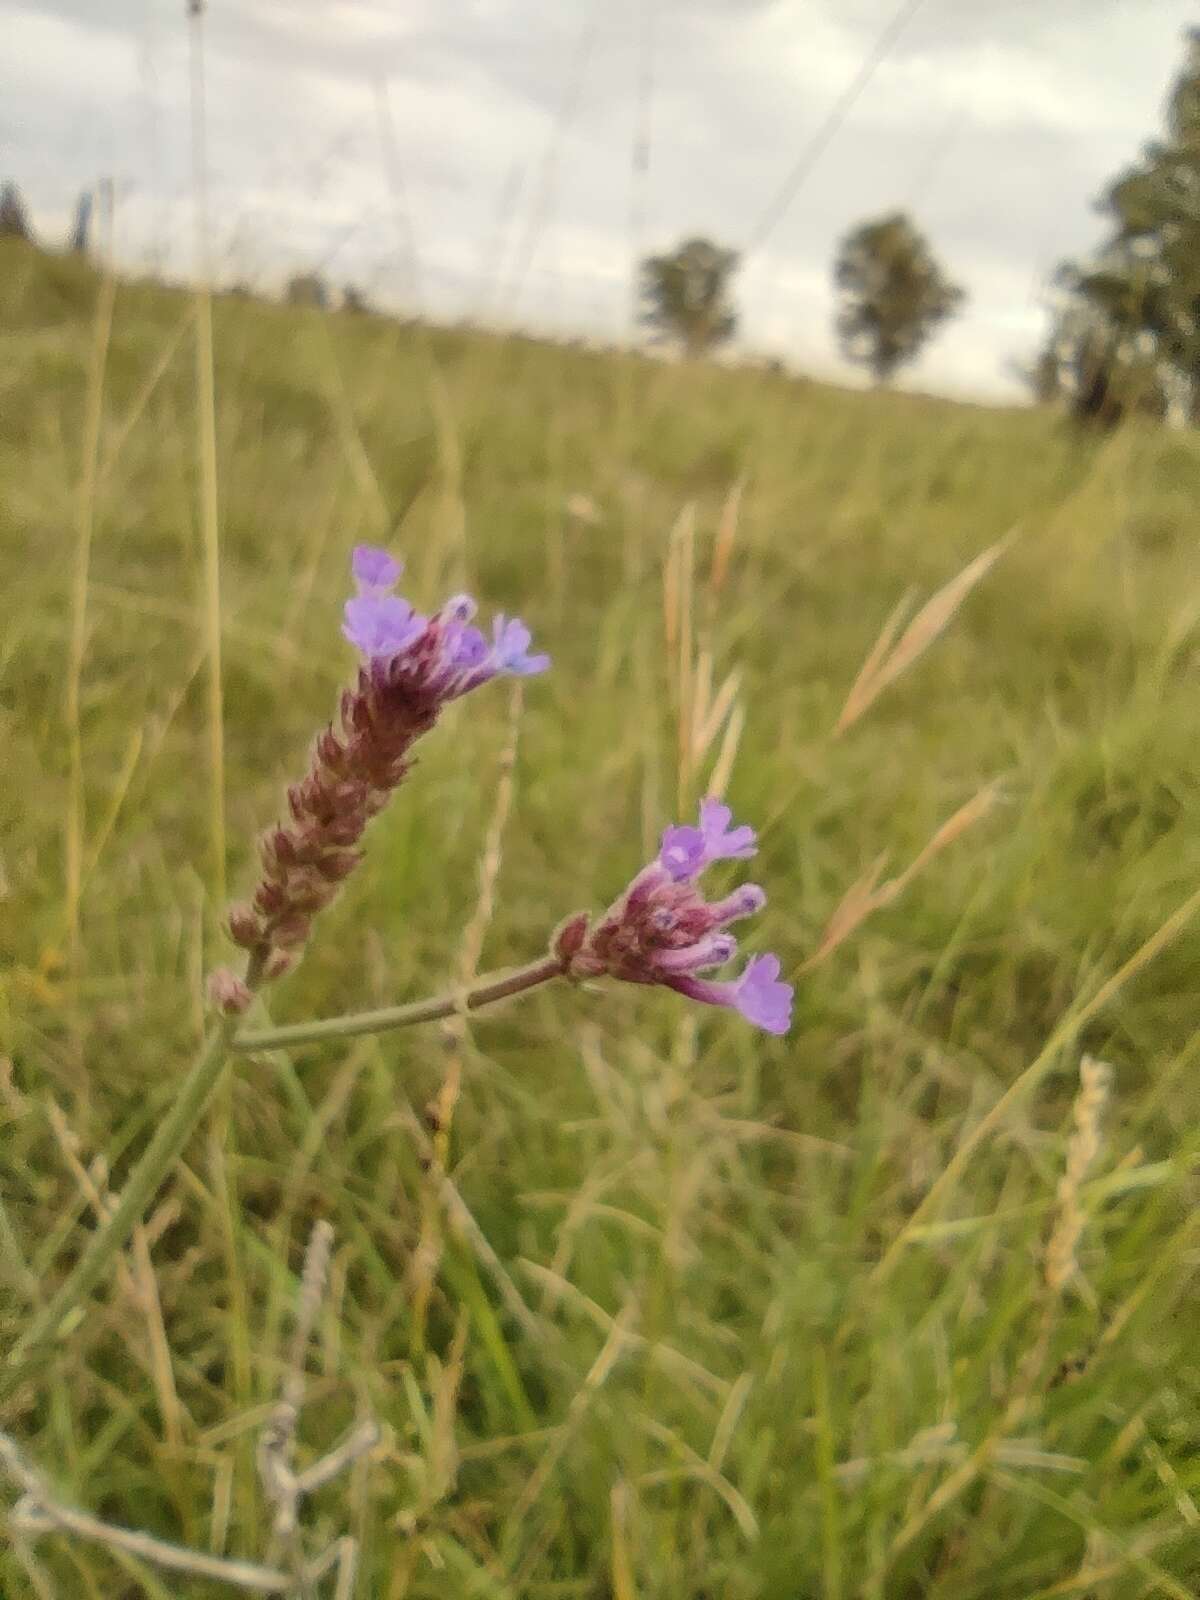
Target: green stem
<point x="139" y="1190"/>
<point x="485" y="993"/>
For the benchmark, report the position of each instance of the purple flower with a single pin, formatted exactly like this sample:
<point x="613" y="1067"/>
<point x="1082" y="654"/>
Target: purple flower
<point x="663" y="931"/>
<point x="686" y="851"/>
<point x="758" y="994"/>
<point x="375" y="570"/>
<point x="382" y="626"/>
<point x="441" y="658"/>
<point x="510" y="649"/>
<point x="412" y="667"/>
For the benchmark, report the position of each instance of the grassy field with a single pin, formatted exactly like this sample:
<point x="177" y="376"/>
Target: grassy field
<point x="730" y="1317"/>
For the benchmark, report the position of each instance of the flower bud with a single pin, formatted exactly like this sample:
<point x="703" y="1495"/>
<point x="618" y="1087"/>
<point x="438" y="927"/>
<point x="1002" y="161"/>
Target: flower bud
<point x="567" y="939"/>
<point x="279" y="962"/>
<point x="244" y="926"/>
<point x="228" y="993"/>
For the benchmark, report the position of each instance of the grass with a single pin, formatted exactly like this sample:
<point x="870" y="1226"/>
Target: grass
<point x="687" y="1312"/>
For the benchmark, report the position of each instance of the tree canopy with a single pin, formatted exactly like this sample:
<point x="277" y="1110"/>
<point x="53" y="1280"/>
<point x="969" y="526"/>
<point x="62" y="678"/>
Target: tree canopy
<point x="892" y="294"/>
<point x="685" y="295"/>
<point x="1130" y="316"/>
<point x="14" y="219"/>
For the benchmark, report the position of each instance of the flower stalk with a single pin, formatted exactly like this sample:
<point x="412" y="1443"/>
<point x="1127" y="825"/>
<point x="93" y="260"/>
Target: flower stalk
<point x="491" y="989"/>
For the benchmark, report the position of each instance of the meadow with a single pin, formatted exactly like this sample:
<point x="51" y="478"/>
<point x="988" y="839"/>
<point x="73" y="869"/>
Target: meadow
<point x="653" y="1306"/>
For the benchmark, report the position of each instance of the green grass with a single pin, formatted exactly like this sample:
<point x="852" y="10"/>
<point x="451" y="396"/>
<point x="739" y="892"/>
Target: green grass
<point x="801" y="1384"/>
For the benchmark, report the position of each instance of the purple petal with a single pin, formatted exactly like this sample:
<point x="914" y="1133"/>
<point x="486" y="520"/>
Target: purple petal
<point x="510" y="649"/>
<point x="757" y="994"/>
<point x="713" y="951"/>
<point x="466" y="649"/>
<point x="381" y="626"/>
<point x="761" y="998"/>
<point x="743" y="902"/>
<point x="681" y="851"/>
<point x="722" y="842"/>
<point x="375" y="570"/>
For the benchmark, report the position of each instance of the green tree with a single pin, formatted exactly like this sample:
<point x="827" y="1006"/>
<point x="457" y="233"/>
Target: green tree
<point x="307" y="289"/>
<point x="892" y="294"/>
<point x="14" y="219"/>
<point x="685" y="295"/>
<point x="1141" y="291"/>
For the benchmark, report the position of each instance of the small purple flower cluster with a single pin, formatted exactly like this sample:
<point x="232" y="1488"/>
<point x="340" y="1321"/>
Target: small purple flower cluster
<point x="412" y="667"/>
<point x="663" y="931"/>
<point x="444" y="653"/>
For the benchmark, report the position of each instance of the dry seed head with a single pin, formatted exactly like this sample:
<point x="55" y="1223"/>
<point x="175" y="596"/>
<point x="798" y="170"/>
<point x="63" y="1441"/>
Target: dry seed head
<point x="1095" y="1082"/>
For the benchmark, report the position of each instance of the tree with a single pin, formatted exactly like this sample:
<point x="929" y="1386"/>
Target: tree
<point x="893" y="294"/>
<point x="82" y="227"/>
<point x="1140" y="293"/>
<point x="307" y="289"/>
<point x="14" y="219"/>
<point x="685" y="295"/>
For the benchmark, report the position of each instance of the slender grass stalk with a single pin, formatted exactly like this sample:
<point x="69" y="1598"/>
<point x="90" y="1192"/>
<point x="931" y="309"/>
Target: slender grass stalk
<point x="206" y="424"/>
<point x="482" y="994"/>
<point x="85" y="517"/>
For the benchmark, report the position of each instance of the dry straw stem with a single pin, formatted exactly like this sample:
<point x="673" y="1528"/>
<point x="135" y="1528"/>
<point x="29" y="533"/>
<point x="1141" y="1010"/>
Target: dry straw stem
<point x="1095" y="1081"/>
<point x="39" y="1511"/>
<point x="623" y="1585"/>
<point x="678" y="604"/>
<point x="85" y="518"/>
<point x="206" y="441"/>
<point x="867" y="895"/>
<point x="886" y="661"/>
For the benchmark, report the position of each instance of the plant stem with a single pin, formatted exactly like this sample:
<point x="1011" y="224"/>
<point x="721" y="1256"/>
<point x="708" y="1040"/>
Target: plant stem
<point x="485" y="993"/>
<point x="113" y="1233"/>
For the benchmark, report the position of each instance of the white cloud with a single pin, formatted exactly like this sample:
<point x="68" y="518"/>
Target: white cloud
<point x="997" y="121"/>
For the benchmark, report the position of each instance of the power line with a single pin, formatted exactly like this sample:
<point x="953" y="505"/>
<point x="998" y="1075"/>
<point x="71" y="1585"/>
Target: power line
<point x="825" y="132"/>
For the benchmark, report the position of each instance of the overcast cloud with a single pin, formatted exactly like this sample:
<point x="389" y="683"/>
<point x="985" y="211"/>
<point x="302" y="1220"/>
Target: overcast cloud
<point x="497" y="138"/>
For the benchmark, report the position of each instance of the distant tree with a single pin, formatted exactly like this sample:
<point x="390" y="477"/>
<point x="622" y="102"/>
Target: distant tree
<point x="685" y="295"/>
<point x="307" y="289"/>
<point x="1102" y="373"/>
<point x="1044" y="374"/>
<point x="893" y="294"/>
<point x="14" y="219"/>
<point x="1139" y="294"/>
<point x="353" y="299"/>
<point x="82" y="226"/>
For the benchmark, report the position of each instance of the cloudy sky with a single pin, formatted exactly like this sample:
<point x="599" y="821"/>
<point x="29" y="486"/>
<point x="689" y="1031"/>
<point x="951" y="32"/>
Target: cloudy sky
<point x="509" y="158"/>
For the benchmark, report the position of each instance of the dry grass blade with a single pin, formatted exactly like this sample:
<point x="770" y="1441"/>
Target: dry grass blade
<point x="85" y="518"/>
<point x="726" y="534"/>
<point x="708" y="728"/>
<point x="886" y="662"/>
<point x="867" y="895"/>
<point x="623" y="1585"/>
<point x="722" y="770"/>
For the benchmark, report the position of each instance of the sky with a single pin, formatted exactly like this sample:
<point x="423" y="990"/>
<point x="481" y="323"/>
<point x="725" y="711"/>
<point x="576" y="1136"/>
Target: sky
<point x="509" y="160"/>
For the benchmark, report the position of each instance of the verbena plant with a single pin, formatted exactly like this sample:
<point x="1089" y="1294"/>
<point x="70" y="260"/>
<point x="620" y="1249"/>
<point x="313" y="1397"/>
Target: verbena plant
<point x="660" y="930"/>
